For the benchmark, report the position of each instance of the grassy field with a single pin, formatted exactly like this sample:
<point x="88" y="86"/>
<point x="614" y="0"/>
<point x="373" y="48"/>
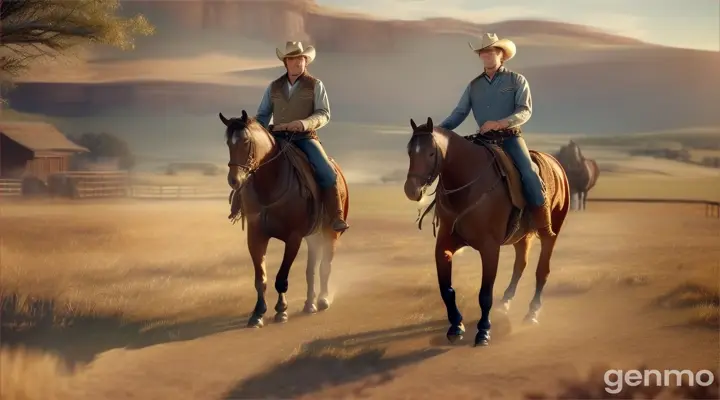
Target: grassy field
<point x="142" y="290"/>
<point x="147" y="299"/>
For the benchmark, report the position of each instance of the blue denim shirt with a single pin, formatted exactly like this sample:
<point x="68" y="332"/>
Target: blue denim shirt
<point x="319" y="118"/>
<point x="505" y="96"/>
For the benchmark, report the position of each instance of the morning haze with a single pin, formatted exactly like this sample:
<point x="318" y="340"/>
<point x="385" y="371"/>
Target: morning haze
<point x="117" y="257"/>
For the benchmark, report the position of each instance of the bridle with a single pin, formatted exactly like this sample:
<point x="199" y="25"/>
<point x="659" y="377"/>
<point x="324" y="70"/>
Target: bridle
<point x="251" y="166"/>
<point x="428" y="178"/>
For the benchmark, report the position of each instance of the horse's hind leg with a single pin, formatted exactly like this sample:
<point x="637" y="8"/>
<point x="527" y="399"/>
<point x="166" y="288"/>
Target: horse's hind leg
<point x="292" y="246"/>
<point x="314" y="247"/>
<point x="257" y="246"/>
<point x="328" y="247"/>
<point x="522" y="251"/>
<point x="543" y="267"/>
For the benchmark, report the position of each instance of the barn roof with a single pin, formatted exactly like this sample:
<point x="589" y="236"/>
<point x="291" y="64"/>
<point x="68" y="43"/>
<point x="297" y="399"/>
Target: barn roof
<point x="39" y="137"/>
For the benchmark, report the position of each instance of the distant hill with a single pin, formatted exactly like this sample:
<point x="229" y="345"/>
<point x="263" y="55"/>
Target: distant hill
<point x="211" y="56"/>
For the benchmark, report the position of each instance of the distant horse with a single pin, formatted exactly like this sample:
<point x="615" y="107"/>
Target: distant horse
<point x="582" y="173"/>
<point x="479" y="203"/>
<point x="274" y="188"/>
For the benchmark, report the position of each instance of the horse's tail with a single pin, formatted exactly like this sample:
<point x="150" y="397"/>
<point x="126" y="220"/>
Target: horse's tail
<point x="594" y="173"/>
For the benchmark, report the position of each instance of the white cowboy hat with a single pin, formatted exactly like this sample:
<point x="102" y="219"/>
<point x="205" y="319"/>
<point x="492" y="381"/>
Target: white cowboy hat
<point x="491" y="40"/>
<point x="295" y="49"/>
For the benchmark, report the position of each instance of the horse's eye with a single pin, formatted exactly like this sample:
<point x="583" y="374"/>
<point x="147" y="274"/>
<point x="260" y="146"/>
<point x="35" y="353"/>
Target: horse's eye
<point x="432" y="154"/>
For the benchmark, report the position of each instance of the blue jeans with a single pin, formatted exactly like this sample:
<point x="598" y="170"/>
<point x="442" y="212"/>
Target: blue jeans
<point x="324" y="172"/>
<point x="516" y="148"/>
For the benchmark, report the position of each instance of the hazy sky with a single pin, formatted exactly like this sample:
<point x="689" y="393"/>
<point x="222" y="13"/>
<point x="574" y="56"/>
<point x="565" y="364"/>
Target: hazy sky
<point x="689" y="23"/>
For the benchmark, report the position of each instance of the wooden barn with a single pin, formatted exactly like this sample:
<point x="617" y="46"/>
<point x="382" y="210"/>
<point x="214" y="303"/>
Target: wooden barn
<point x="34" y="149"/>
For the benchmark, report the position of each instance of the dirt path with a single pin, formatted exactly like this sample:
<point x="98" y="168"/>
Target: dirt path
<point x="384" y="335"/>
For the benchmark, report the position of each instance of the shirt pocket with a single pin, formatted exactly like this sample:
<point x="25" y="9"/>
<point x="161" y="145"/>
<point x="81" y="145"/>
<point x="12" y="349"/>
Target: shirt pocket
<point x="306" y="94"/>
<point x="508" y="90"/>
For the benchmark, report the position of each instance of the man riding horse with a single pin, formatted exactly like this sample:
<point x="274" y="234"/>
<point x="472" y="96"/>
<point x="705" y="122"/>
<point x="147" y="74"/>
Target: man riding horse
<point x="500" y="101"/>
<point x="298" y="104"/>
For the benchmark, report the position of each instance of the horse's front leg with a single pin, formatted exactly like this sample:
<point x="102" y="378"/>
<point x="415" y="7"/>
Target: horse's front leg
<point x="445" y="248"/>
<point x="257" y="246"/>
<point x="490" y="255"/>
<point x="292" y="246"/>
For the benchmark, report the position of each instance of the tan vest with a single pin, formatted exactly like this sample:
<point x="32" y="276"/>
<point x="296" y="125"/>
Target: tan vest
<point x="300" y="105"/>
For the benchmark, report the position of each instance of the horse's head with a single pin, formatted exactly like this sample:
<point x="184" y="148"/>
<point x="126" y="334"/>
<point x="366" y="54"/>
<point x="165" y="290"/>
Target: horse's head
<point x="570" y="154"/>
<point x="425" y="160"/>
<point x="242" y="135"/>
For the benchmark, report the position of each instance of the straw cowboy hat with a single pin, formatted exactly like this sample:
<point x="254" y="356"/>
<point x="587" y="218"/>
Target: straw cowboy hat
<point x="491" y="40"/>
<point x="295" y="49"/>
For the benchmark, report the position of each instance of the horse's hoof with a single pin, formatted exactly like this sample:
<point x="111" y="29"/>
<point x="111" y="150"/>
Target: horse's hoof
<point x="281" y="317"/>
<point x="310" y="308"/>
<point x="323" y="304"/>
<point x="530" y="320"/>
<point x="481" y="342"/>
<point x="482" y="338"/>
<point x="255" y="322"/>
<point x="455" y="333"/>
<point x="506" y="306"/>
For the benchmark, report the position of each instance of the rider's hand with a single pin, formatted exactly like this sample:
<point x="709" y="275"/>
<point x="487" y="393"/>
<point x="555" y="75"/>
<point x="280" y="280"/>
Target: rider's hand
<point x="295" y="126"/>
<point x="279" y="127"/>
<point x="490" y="126"/>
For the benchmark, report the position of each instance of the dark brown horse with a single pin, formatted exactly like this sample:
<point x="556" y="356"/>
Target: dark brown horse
<point x="582" y="173"/>
<point x="274" y="189"/>
<point x="475" y="207"/>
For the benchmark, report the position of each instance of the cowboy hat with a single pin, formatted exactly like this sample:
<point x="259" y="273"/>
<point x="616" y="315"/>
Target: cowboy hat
<point x="296" y="49"/>
<point x="491" y="40"/>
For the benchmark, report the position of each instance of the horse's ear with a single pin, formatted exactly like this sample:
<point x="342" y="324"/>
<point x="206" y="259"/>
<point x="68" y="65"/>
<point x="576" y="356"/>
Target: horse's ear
<point x="430" y="124"/>
<point x="244" y="115"/>
<point x="223" y="119"/>
<point x="413" y="125"/>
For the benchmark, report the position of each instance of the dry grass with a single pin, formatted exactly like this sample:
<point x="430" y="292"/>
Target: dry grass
<point x="31" y="375"/>
<point x="115" y="274"/>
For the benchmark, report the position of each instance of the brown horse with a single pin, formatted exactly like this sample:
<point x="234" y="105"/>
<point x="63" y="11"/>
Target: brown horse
<point x="273" y="187"/>
<point x="582" y="173"/>
<point x="477" y="205"/>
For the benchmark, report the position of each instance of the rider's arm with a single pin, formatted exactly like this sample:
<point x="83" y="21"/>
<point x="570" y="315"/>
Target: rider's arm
<point x="321" y="116"/>
<point x="460" y="112"/>
<point x="523" y="104"/>
<point x="264" y="112"/>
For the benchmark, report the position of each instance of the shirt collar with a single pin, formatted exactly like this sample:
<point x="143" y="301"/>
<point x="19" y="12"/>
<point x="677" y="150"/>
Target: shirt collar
<point x="500" y="71"/>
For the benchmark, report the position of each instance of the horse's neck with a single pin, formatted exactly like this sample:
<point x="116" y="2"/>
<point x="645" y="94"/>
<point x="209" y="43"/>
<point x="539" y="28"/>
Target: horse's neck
<point x="456" y="151"/>
<point x="270" y="162"/>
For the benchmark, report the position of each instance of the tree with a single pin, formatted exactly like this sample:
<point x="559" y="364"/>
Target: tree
<point x="30" y="29"/>
<point x="105" y="145"/>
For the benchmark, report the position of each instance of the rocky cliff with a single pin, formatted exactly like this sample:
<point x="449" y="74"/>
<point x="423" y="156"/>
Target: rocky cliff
<point x="333" y="31"/>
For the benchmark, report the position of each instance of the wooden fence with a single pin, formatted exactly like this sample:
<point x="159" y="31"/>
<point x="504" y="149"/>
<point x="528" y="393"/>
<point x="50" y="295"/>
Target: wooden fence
<point x="84" y="184"/>
<point x="10" y="187"/>
<point x="164" y="192"/>
<point x="712" y="208"/>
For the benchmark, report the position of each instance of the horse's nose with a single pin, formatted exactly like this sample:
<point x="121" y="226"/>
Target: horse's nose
<point x="232" y="181"/>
